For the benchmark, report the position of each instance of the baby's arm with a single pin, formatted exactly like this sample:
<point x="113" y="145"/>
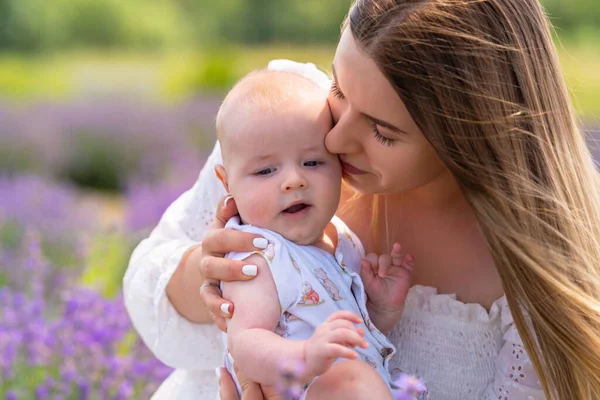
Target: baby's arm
<point x="260" y="353"/>
<point x="256" y="349"/>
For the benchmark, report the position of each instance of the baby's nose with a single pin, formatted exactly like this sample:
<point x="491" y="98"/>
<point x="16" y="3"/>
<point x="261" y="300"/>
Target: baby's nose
<point x="295" y="181"/>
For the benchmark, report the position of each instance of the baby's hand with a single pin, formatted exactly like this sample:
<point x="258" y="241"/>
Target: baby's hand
<point x="333" y="339"/>
<point x="387" y="280"/>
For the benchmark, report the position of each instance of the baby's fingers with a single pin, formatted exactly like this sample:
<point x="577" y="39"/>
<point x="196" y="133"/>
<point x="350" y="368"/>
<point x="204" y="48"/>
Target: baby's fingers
<point x="396" y="254"/>
<point x="346" y="315"/>
<point x="366" y="273"/>
<point x="340" y="324"/>
<point x="348" y="338"/>
<point x="385" y="262"/>
<point x="409" y="263"/>
<point x="334" y="350"/>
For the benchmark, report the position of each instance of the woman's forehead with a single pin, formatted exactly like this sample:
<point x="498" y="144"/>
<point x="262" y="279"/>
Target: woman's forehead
<point x="365" y="87"/>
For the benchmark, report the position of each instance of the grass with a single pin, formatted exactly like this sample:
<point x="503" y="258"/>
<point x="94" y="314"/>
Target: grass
<point x="173" y="75"/>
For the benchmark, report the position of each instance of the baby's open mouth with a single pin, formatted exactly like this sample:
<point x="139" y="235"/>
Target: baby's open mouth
<point x="296" y="208"/>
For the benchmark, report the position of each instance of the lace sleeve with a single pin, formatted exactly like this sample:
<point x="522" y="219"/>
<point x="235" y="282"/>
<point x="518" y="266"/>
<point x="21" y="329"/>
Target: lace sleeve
<point x="515" y="377"/>
<point x="172" y="338"/>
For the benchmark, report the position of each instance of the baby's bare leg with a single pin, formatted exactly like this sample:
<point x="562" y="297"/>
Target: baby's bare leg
<point x="349" y="380"/>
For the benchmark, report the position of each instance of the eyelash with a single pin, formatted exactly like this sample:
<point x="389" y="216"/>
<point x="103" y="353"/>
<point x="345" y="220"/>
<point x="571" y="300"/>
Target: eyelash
<point x="269" y="171"/>
<point x="260" y="173"/>
<point x="380" y="138"/>
<point x="336" y="91"/>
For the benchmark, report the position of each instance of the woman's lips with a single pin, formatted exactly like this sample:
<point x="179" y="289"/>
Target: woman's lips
<point x="351" y="169"/>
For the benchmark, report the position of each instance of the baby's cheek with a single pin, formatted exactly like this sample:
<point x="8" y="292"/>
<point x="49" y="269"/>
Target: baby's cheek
<point x="256" y="209"/>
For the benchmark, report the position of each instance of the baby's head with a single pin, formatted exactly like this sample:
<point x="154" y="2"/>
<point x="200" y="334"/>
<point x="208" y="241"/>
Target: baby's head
<point x="272" y="128"/>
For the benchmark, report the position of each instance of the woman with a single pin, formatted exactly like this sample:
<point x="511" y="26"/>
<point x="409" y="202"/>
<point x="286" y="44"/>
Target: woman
<point x="459" y="142"/>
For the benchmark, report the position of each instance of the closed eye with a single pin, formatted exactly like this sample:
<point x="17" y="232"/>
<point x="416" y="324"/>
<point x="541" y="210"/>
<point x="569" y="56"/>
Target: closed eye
<point x="386" y="141"/>
<point x="335" y="90"/>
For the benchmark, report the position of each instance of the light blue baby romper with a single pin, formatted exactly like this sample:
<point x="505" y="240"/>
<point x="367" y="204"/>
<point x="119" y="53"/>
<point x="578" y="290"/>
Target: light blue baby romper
<point x="312" y="284"/>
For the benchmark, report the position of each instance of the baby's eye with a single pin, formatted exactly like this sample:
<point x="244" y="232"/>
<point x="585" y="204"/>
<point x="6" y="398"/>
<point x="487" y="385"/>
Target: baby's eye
<point x="265" y="171"/>
<point x="311" y="163"/>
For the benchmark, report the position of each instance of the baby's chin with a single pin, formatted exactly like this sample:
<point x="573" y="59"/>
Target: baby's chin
<point x="305" y="232"/>
<point x="303" y="235"/>
<point x="303" y="240"/>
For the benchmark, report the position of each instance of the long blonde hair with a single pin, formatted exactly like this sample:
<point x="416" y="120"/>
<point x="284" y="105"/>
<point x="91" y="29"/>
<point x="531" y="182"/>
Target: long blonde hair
<point x="481" y="78"/>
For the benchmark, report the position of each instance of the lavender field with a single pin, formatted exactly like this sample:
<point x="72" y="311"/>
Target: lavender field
<point x="81" y="183"/>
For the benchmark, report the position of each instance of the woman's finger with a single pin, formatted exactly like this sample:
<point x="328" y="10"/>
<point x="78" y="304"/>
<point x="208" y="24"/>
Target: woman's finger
<point x="270" y="393"/>
<point x="223" y="269"/>
<point x="250" y="390"/>
<point x="226" y="209"/>
<point x="212" y="299"/>
<point x="227" y="389"/>
<point x="220" y="322"/>
<point x="222" y="241"/>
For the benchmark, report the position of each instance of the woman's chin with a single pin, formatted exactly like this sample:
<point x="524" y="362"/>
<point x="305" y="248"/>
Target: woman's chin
<point x="361" y="187"/>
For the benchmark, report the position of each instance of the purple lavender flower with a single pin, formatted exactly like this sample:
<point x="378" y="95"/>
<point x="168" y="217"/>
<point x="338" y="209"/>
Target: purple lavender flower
<point x="409" y="388"/>
<point x="42" y="392"/>
<point x="290" y="386"/>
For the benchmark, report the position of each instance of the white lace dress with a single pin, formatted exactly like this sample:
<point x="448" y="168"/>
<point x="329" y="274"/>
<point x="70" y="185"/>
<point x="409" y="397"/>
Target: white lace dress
<point x="461" y="350"/>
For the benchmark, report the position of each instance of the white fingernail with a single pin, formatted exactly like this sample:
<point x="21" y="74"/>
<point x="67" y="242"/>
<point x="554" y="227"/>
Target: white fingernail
<point x="225" y="308"/>
<point x="218" y="372"/>
<point x="249" y="270"/>
<point x="260" y="243"/>
<point x="226" y="201"/>
<point x="230" y="357"/>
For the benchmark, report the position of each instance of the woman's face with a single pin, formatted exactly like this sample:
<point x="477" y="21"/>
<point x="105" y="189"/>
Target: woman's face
<point x="381" y="148"/>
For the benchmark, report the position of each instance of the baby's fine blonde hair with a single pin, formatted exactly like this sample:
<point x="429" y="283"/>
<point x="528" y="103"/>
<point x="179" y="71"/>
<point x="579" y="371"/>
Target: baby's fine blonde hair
<point x="264" y="91"/>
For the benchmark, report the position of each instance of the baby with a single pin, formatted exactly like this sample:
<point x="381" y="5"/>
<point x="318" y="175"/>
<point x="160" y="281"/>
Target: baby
<point x="307" y="303"/>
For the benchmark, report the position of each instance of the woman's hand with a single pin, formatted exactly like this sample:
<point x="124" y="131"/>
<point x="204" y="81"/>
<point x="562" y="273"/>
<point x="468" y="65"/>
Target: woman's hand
<point x="250" y="390"/>
<point x="215" y="268"/>
<point x="203" y="267"/>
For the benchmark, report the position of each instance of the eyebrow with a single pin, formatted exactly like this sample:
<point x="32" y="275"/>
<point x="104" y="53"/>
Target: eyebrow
<point x="377" y="121"/>
<point x="259" y="158"/>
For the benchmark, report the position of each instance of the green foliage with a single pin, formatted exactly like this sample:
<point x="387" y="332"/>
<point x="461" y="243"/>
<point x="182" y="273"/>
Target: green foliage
<point x="41" y="25"/>
<point x="107" y="261"/>
<point x="21" y="77"/>
<point x="267" y="21"/>
<point x="572" y="15"/>
<point x="10" y="235"/>
<point x="212" y="73"/>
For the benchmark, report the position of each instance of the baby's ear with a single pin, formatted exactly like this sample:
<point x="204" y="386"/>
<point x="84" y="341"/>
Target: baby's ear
<point x="222" y="175"/>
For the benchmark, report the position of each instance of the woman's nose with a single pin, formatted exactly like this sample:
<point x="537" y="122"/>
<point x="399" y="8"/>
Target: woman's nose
<point x="341" y="139"/>
<point x="294" y="180"/>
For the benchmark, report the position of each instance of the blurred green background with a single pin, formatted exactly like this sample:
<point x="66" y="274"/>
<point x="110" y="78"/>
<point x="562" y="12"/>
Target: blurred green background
<point x="169" y="49"/>
<point x="107" y="114"/>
